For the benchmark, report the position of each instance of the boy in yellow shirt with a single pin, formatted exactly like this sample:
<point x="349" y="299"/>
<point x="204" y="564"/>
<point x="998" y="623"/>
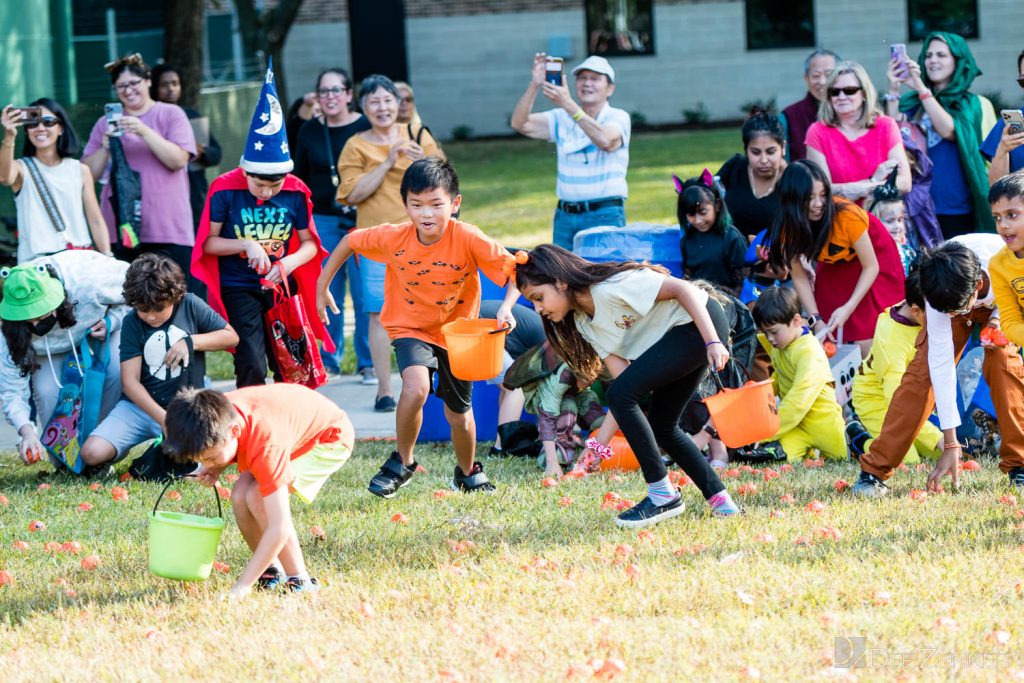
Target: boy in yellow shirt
<point x="809" y="415"/>
<point x="892" y="349"/>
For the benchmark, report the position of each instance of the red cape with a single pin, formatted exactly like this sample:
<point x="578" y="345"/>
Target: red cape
<point x="207" y="267"/>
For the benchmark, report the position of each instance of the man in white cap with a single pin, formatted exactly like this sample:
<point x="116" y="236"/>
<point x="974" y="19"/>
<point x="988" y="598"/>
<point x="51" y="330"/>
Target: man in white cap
<point x="592" y="139"/>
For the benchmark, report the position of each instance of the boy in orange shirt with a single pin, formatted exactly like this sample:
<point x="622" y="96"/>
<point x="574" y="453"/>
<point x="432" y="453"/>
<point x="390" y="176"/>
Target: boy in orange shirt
<point x="431" y="279"/>
<point x="284" y="438"/>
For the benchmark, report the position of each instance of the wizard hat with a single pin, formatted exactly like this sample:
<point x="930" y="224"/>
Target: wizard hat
<point x="266" y="147"/>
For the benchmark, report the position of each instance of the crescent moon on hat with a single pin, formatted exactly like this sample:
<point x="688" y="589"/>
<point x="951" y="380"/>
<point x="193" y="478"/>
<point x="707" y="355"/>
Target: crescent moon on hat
<point x="276" y="118"/>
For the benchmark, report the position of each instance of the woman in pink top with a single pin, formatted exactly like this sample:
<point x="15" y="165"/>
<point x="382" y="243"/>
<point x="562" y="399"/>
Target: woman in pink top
<point x="852" y="141"/>
<point x="158" y="143"/>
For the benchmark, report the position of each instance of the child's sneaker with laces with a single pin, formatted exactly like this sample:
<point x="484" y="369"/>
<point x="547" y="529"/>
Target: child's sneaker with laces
<point x="870" y="486"/>
<point x="647" y="512"/>
<point x="269" y="579"/>
<point x="476" y="480"/>
<point x="296" y="585"/>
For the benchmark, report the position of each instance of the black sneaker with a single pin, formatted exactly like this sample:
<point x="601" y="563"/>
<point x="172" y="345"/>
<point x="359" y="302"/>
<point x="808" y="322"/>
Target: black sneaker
<point x="385" y="404"/>
<point x="857" y="437"/>
<point x="1017" y="477"/>
<point x="103" y="471"/>
<point x="269" y="579"/>
<point x="476" y="480"/>
<point x="392" y="476"/>
<point x="870" y="486"/>
<point x="646" y="513"/>
<point x="294" y="585"/>
<point x="767" y="452"/>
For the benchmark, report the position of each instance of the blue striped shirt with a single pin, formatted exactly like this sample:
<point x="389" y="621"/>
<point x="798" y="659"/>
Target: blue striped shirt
<point x="585" y="172"/>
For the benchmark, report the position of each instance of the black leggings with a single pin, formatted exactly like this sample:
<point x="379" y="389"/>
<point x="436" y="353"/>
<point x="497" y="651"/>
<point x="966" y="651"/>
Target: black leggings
<point x="670" y="372"/>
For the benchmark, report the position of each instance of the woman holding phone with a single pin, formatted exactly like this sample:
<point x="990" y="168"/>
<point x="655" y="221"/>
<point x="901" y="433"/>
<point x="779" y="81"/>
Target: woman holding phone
<point x="854" y="143"/>
<point x="158" y="144"/>
<point x="954" y="119"/>
<point x="70" y="218"/>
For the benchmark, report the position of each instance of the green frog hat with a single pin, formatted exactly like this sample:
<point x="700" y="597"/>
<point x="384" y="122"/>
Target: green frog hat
<point x="29" y="292"/>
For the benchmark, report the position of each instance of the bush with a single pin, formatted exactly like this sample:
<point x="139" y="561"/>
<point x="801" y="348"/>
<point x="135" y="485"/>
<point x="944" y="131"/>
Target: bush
<point x="768" y="105"/>
<point x="462" y="132"/>
<point x="998" y="102"/>
<point x="638" y="119"/>
<point x="697" y="115"/>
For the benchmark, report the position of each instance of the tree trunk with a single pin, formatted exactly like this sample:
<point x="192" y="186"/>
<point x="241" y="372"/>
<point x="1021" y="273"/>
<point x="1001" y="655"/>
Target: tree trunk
<point x="183" y="45"/>
<point x="266" y="32"/>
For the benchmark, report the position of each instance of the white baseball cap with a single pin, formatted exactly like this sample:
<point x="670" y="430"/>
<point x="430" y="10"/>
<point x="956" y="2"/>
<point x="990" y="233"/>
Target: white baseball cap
<point x="598" y="65"/>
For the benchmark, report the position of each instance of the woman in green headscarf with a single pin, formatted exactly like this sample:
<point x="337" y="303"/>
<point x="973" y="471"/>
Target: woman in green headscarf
<point x="954" y="119"/>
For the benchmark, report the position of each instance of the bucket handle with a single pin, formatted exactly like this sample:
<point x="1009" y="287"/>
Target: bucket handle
<point x="718" y="379"/>
<point x="216" y="496"/>
<point x="501" y="329"/>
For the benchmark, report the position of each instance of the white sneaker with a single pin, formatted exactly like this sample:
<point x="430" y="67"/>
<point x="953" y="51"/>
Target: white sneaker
<point x="369" y="377"/>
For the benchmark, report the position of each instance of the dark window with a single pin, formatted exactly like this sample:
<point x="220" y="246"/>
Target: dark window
<point x="620" y="27"/>
<point x="954" y="16"/>
<point x="773" y="24"/>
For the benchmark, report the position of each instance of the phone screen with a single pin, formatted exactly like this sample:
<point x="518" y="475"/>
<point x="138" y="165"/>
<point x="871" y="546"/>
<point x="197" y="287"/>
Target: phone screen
<point x="898" y="51"/>
<point x="113" y="111"/>
<point x="553" y="71"/>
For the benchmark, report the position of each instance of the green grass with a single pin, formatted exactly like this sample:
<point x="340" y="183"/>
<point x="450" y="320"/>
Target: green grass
<point x="508" y="189"/>
<point x="545" y="588"/>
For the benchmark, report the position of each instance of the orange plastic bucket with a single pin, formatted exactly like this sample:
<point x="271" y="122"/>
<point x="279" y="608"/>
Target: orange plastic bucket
<point x="622" y="458"/>
<point x="475" y="347"/>
<point x="746" y="415"/>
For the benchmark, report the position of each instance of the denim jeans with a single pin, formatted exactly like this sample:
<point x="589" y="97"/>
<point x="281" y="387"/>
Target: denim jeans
<point x="568" y="224"/>
<point x="331" y="232"/>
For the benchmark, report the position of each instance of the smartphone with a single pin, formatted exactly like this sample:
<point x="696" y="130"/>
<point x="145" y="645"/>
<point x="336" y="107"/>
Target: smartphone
<point x="113" y="111"/>
<point x="553" y="70"/>
<point x="1014" y="120"/>
<point x="29" y="114"/>
<point x="898" y="51"/>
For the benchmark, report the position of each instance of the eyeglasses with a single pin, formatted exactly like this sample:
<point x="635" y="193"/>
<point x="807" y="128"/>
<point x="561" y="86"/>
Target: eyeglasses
<point x="328" y="92"/>
<point x="47" y="121"/>
<point x="125" y="87"/>
<point x="406" y="99"/>
<point x="849" y="91"/>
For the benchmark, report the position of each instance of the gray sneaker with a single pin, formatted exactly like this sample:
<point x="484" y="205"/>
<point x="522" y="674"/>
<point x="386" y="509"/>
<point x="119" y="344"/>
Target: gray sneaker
<point x="369" y="377"/>
<point x="870" y="486"/>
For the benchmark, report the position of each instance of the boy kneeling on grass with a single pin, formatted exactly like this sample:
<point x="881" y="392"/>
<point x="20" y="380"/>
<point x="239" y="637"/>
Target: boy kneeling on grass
<point x="809" y="415"/>
<point x="284" y="438"/>
<point x="432" y="263"/>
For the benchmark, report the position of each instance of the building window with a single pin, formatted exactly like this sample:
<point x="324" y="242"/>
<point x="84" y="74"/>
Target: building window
<point x="618" y="28"/>
<point x="772" y="24"/>
<point x="954" y="16"/>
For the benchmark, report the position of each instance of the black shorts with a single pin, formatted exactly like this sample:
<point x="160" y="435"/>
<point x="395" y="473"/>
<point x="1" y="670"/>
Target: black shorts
<point x="457" y="394"/>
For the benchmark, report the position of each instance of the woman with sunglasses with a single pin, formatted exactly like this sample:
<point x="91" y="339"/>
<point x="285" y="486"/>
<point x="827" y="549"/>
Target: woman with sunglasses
<point x="70" y="218"/>
<point x="317" y="149"/>
<point x="852" y="141"/>
<point x="954" y="119"/>
<point x="158" y="144"/>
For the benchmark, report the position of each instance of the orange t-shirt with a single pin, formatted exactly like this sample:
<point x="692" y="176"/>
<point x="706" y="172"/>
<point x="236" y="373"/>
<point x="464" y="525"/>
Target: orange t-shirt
<point x="281" y="423"/>
<point x="849" y="223"/>
<point x="428" y="286"/>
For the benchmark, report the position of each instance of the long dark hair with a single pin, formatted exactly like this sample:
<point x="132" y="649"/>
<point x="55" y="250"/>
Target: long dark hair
<point x="67" y="141"/>
<point x="551" y="265"/>
<point x="18" y="333"/>
<point x="793" y="233"/>
<point x="695" y="192"/>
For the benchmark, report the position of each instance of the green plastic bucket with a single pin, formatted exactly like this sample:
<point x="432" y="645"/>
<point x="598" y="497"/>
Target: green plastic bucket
<point x="183" y="546"/>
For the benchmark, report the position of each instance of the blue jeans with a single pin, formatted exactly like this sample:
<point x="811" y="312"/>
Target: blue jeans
<point x="331" y="232"/>
<point x="568" y="224"/>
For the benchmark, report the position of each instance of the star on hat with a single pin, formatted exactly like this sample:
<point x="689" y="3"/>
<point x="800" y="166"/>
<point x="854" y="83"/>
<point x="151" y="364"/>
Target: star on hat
<point x="266" y="149"/>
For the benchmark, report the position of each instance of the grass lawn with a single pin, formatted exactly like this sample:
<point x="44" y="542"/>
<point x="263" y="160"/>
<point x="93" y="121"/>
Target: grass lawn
<point x="530" y="584"/>
<point x="508" y="189"/>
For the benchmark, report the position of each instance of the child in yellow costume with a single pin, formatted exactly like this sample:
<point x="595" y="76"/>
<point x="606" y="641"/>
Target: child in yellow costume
<point x="809" y="415"/>
<point x="892" y="349"/>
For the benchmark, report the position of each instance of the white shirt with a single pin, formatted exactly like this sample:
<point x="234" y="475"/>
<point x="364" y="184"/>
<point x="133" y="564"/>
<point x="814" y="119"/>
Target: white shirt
<point x="628" y="303"/>
<point x="941" y="354"/>
<point x="585" y="171"/>
<point x="37" y="235"/>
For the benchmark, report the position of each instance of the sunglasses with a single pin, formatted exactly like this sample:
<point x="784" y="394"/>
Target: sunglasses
<point x="327" y="92"/>
<point x="1020" y="81"/>
<point x="47" y="121"/>
<point x="849" y="91"/>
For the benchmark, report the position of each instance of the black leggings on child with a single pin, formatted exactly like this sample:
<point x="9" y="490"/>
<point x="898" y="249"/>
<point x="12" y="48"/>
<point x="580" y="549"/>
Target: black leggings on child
<point x="670" y="372"/>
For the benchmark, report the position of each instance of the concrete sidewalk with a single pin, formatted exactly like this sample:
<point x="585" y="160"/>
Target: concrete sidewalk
<point x="356" y="399"/>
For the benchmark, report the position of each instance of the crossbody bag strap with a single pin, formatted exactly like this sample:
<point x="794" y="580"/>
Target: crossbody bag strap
<point x="331" y="159"/>
<point x="44" y="193"/>
<point x="419" y="134"/>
